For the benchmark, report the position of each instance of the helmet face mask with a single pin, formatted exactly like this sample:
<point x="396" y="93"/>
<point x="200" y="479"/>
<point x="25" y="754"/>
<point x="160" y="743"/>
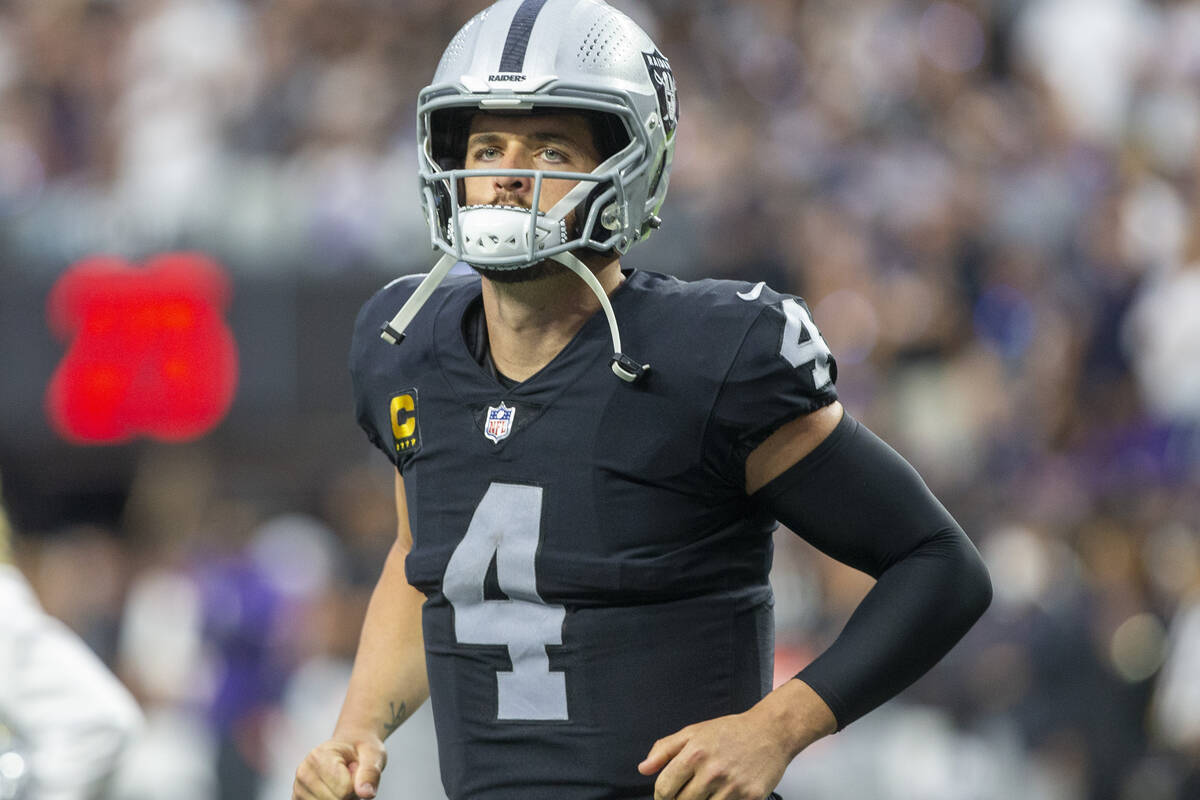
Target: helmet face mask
<point x="581" y="57"/>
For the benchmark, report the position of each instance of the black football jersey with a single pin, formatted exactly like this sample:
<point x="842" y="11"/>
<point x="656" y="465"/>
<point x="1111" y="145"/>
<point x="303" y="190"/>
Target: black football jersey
<point x="596" y="577"/>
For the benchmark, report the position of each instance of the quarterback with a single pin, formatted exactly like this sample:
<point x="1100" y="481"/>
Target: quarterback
<point x="590" y="462"/>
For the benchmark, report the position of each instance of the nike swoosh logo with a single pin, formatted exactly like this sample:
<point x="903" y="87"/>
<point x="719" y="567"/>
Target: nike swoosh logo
<point x="753" y="294"/>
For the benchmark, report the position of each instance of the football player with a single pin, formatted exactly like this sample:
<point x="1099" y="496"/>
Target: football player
<point x="591" y="461"/>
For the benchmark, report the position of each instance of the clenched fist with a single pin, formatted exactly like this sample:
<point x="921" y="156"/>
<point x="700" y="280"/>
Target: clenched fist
<point x="341" y="770"/>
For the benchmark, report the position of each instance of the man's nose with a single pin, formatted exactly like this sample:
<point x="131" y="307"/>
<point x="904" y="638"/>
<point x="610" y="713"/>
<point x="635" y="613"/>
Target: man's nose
<point x="511" y="183"/>
<point x="515" y="158"/>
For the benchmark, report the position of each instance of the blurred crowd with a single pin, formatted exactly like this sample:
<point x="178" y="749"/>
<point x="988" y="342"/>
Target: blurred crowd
<point x="992" y="207"/>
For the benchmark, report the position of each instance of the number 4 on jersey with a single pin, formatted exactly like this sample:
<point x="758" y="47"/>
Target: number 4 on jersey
<point x="802" y="343"/>
<point x="507" y="525"/>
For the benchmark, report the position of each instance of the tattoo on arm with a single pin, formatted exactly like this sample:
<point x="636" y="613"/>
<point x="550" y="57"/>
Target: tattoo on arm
<point x="398" y="716"/>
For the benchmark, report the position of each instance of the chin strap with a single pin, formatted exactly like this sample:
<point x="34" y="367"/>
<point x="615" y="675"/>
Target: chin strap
<point x="393" y="331"/>
<point x="623" y="366"/>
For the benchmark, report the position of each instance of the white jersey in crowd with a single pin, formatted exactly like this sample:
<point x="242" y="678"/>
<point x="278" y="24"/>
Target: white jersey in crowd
<point x="70" y="717"/>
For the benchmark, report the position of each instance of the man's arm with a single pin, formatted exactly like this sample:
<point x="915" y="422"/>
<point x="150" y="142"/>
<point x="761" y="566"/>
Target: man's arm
<point x="857" y="500"/>
<point x="387" y="684"/>
<point x="849" y="494"/>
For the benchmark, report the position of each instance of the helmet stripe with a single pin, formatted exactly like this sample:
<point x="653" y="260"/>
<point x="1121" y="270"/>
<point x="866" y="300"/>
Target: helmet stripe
<point x="513" y="57"/>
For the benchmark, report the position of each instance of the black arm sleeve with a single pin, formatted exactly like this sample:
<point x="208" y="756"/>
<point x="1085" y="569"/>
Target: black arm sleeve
<point x="857" y="500"/>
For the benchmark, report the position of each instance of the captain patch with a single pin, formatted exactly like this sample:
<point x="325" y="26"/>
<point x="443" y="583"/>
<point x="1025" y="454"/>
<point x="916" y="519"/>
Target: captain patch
<point x="406" y="436"/>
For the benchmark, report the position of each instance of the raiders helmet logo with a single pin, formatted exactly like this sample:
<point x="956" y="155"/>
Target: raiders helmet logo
<point x="664" y="83"/>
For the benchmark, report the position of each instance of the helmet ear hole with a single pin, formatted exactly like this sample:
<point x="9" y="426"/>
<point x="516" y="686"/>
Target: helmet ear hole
<point x="610" y="217"/>
<point x="604" y="226"/>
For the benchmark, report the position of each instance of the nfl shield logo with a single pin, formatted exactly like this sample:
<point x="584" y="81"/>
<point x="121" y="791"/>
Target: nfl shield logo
<point x="498" y="423"/>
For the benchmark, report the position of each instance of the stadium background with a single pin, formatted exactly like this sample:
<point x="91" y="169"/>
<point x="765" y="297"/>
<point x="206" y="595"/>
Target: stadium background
<point x="990" y="205"/>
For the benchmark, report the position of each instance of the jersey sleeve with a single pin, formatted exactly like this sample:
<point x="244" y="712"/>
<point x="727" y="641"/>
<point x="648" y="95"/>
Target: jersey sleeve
<point x="374" y="363"/>
<point x="783" y="370"/>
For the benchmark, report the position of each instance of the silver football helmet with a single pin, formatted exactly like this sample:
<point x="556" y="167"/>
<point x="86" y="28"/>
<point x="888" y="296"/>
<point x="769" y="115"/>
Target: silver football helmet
<point x="580" y="56"/>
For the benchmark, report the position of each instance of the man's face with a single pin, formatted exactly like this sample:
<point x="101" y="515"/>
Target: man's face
<point x="560" y="142"/>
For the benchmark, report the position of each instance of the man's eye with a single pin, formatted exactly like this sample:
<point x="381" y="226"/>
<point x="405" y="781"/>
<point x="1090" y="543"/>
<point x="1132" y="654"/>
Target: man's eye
<point x="487" y="153"/>
<point x="557" y="156"/>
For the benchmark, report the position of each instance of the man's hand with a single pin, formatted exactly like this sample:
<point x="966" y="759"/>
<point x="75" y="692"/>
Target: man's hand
<point x="341" y="770"/>
<point x="728" y="758"/>
<point x="740" y="756"/>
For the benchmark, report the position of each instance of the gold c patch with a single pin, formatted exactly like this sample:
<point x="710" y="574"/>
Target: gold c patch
<point x="403" y="413"/>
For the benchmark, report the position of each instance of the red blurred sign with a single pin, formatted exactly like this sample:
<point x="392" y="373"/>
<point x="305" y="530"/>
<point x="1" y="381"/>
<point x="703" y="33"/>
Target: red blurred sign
<point x="149" y="351"/>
